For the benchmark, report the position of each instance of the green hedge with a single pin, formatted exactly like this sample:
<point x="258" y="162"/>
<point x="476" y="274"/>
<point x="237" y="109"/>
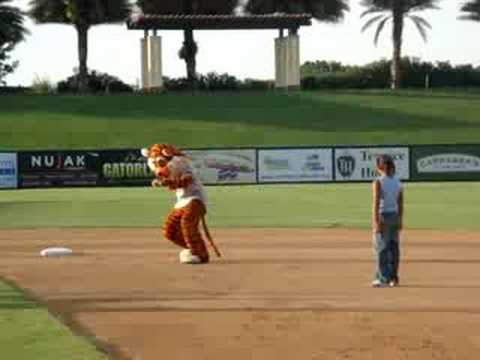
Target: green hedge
<point x="415" y="74"/>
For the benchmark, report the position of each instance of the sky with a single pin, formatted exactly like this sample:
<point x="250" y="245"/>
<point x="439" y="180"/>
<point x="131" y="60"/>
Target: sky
<point x="50" y="51"/>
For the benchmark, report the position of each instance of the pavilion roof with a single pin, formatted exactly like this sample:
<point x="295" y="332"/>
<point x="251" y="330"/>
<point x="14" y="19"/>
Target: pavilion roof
<point x="218" y="22"/>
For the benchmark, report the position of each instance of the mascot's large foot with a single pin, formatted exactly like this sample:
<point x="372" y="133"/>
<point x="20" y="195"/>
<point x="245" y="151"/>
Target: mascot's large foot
<point x="186" y="257"/>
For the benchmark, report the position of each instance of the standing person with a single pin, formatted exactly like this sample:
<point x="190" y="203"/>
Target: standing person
<point x="387" y="222"/>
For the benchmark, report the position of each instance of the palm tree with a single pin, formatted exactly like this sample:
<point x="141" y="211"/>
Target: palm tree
<point x="322" y="10"/>
<point x="397" y="11"/>
<point x="472" y="10"/>
<point x="189" y="48"/>
<point x="12" y="31"/>
<point x="82" y="14"/>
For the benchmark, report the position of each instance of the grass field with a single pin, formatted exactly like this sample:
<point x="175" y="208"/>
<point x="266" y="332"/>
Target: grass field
<point x="329" y="205"/>
<point x="29" y="332"/>
<point x="47" y="122"/>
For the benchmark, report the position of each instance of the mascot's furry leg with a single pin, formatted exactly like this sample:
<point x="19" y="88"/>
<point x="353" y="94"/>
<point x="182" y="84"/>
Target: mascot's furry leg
<point x="182" y="228"/>
<point x="172" y="229"/>
<point x="190" y="222"/>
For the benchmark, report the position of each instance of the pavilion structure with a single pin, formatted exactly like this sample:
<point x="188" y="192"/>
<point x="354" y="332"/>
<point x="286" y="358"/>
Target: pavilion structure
<point x="287" y="44"/>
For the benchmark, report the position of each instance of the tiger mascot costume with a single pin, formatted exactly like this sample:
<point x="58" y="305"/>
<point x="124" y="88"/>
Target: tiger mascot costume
<point x="175" y="171"/>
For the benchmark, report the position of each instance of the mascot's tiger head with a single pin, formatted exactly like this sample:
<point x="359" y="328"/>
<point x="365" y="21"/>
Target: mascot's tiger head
<point x="159" y="155"/>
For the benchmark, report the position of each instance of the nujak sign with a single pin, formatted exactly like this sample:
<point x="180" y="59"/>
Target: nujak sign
<point x="442" y="162"/>
<point x="358" y="164"/>
<point x="57" y="168"/>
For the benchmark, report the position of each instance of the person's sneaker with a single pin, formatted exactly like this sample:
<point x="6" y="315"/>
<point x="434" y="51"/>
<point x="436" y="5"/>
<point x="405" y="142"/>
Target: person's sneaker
<point x="378" y="284"/>
<point x="393" y="283"/>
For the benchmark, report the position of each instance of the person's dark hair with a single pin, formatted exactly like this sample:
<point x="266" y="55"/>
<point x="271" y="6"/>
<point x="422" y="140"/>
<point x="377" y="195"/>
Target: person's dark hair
<point x="385" y="162"/>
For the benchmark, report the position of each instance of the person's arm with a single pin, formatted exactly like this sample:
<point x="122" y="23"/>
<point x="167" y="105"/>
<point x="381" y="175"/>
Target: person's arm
<point x="400" y="210"/>
<point x="376" y="226"/>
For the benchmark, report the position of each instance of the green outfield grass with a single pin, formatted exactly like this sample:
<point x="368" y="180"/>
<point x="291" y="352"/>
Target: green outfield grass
<point x="29" y="332"/>
<point x="327" y="205"/>
<point x="34" y="122"/>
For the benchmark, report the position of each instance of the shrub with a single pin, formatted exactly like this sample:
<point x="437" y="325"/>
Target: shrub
<point x="42" y="86"/>
<point x="213" y="81"/>
<point x="217" y="82"/>
<point x="14" y="90"/>
<point x="96" y="82"/>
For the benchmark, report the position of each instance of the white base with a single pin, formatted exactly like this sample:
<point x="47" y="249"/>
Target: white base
<point x="56" y="252"/>
<point x="186" y="257"/>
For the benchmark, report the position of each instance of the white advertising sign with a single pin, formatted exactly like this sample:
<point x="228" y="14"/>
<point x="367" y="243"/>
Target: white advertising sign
<point x="448" y="163"/>
<point x="8" y="170"/>
<point x="295" y="165"/>
<point x="357" y="164"/>
<point x="225" y="166"/>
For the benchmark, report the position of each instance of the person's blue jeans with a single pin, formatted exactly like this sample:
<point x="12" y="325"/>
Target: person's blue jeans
<point x="387" y="248"/>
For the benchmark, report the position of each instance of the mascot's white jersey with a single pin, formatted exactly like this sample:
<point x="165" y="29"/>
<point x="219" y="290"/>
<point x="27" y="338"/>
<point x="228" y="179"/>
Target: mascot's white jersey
<point x="181" y="165"/>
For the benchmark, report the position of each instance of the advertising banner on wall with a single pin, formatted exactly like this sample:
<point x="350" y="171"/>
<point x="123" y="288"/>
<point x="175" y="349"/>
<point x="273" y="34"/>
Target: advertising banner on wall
<point x="57" y="168"/>
<point x="358" y="164"/>
<point x="295" y="165"/>
<point x="225" y="166"/>
<point x="123" y="168"/>
<point x="446" y="162"/>
<point x="128" y="168"/>
<point x="83" y="168"/>
<point x="8" y="170"/>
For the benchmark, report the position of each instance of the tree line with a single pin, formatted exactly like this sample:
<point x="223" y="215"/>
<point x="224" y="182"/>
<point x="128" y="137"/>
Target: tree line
<point x="84" y="14"/>
<point x="376" y="75"/>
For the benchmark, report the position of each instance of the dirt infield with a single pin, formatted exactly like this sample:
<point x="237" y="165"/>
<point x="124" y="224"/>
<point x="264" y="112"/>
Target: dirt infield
<point x="277" y="294"/>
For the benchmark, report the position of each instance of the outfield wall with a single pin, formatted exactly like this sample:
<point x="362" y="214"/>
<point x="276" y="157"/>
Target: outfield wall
<point x="235" y="166"/>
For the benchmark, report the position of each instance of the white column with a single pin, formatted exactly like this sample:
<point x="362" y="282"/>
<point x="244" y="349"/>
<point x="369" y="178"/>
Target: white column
<point x="293" y="61"/>
<point x="287" y="62"/>
<point x="280" y="62"/>
<point x="144" y="63"/>
<point x="155" y="62"/>
<point x="151" y="62"/>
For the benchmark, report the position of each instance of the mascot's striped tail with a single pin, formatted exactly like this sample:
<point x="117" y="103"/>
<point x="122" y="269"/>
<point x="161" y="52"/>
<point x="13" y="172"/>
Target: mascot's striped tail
<point x="209" y="237"/>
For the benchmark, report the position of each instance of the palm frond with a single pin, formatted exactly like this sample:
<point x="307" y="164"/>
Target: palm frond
<point x="380" y="27"/>
<point x="12" y="29"/>
<point x="325" y="10"/>
<point x="383" y="4"/>
<point x="421" y="5"/>
<point x="321" y="10"/>
<point x="472" y="10"/>
<point x="89" y="12"/>
<point x="472" y="17"/>
<point x="372" y="11"/>
<point x="371" y="21"/>
<point x="48" y="11"/>
<point x="420" y="20"/>
<point x="420" y="28"/>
